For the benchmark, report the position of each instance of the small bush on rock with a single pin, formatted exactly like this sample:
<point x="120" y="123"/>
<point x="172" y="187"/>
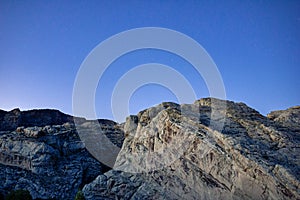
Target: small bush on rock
<point x="79" y="195"/>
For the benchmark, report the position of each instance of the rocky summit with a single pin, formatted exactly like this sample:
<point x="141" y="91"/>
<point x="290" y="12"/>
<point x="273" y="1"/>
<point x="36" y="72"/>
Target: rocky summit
<point x="211" y="149"/>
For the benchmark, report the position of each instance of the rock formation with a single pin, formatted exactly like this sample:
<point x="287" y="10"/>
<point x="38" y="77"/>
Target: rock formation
<point x="212" y="149"/>
<point x="50" y="161"/>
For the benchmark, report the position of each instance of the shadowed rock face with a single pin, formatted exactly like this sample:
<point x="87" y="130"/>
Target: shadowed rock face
<point x="50" y="161"/>
<point x="211" y="149"/>
<point x="9" y="121"/>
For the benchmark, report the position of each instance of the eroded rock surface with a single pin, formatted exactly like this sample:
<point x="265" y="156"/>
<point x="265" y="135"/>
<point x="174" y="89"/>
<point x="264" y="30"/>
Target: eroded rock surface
<point x="180" y="152"/>
<point x="211" y="149"/>
<point x="51" y="161"/>
<point x="9" y="121"/>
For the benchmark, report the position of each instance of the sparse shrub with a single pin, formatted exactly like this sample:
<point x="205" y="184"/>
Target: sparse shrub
<point x="79" y="195"/>
<point x="19" y="195"/>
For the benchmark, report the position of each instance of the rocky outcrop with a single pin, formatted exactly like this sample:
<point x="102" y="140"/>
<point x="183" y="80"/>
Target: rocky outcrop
<point x="211" y="149"/>
<point x="171" y="154"/>
<point x="9" y="121"/>
<point x="51" y="161"/>
<point x="289" y="118"/>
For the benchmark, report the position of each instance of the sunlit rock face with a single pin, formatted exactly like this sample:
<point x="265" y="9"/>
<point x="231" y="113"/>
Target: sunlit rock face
<point x="211" y="149"/>
<point x="182" y="152"/>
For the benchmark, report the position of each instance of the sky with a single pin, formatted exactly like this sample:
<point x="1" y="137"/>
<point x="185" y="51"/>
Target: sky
<point x="254" y="44"/>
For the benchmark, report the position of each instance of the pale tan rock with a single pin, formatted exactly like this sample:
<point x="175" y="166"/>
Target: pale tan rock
<point x="183" y="155"/>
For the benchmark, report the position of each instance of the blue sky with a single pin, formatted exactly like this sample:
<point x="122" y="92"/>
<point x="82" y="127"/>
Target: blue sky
<point x="255" y="45"/>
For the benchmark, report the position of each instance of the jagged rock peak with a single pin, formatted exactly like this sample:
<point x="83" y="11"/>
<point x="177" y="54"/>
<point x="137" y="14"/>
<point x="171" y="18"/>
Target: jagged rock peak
<point x="175" y="156"/>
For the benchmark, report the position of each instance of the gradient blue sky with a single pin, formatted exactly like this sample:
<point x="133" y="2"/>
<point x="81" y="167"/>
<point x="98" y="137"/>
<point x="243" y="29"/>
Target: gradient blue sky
<point x="255" y="44"/>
